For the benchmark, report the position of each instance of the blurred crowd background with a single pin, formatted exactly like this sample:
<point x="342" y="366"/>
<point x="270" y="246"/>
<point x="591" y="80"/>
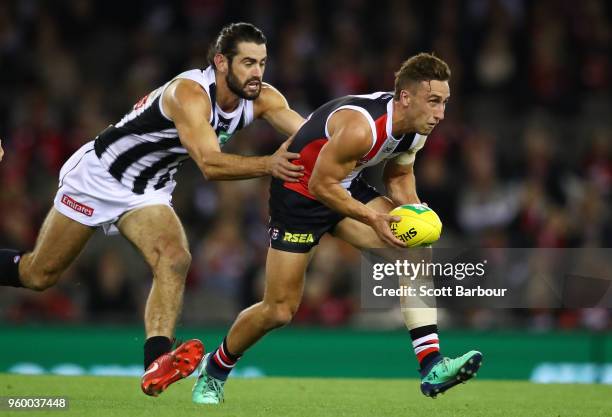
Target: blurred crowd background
<point x="523" y="159"/>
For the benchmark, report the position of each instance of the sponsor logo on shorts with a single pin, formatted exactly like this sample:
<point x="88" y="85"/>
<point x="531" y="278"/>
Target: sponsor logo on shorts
<point x="274" y="233"/>
<point x="298" y="237"/>
<point x="76" y="206"/>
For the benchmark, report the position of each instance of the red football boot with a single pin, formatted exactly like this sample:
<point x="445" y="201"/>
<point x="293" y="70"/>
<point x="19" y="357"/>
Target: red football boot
<point x="172" y="366"/>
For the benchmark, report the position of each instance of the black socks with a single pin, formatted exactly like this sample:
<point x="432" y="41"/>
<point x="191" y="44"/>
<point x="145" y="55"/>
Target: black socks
<point x="154" y="347"/>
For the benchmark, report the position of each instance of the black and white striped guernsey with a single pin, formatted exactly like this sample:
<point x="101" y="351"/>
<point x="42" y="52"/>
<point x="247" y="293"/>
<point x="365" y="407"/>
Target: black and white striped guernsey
<point x="143" y="150"/>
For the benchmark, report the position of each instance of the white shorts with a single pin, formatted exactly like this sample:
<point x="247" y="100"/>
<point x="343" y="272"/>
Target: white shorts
<point x="90" y="195"/>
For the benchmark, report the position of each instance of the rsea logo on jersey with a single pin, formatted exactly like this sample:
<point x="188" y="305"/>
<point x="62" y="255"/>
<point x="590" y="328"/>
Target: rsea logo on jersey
<point x="298" y="237"/>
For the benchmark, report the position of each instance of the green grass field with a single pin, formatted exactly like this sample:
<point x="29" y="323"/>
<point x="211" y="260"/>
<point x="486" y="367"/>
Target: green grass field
<point x="113" y="396"/>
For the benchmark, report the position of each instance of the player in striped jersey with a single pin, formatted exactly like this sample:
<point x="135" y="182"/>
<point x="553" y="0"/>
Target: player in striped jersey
<point x="336" y="143"/>
<point x="124" y="180"/>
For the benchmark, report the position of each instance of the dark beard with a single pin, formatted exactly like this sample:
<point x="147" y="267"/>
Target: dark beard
<point x="234" y="85"/>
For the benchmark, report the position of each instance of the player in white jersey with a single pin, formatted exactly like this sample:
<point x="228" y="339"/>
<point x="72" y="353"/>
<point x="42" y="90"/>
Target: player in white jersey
<point x="337" y="141"/>
<point x="124" y="180"/>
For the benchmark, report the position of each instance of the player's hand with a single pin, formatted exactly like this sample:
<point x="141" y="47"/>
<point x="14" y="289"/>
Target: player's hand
<point x="1" y="150"/>
<point x="380" y="224"/>
<point x="280" y="166"/>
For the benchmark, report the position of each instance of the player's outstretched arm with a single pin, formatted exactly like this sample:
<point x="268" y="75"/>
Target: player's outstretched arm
<point x="186" y="103"/>
<point x="1" y="150"/>
<point x="399" y="180"/>
<point x="272" y="106"/>
<point x="350" y="139"/>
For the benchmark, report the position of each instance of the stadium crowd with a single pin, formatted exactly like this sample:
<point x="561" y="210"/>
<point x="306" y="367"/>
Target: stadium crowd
<point x="523" y="159"/>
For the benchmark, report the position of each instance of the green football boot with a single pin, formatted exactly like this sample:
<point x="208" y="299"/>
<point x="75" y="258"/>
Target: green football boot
<point x="207" y="390"/>
<point x="446" y="373"/>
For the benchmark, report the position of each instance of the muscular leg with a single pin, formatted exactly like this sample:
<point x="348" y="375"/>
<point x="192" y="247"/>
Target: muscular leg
<point x="158" y="234"/>
<point x="59" y="242"/>
<point x="437" y="374"/>
<point x="282" y="296"/>
<point x="285" y="282"/>
<point x="363" y="237"/>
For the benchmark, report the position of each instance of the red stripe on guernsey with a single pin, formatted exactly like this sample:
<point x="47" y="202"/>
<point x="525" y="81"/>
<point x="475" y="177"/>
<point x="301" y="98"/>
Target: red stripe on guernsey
<point x="426" y="352"/>
<point x="308" y="158"/>
<point x="381" y="136"/>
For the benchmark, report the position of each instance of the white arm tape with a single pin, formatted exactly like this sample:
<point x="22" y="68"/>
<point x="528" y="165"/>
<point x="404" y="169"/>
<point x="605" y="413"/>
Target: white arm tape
<point x="405" y="158"/>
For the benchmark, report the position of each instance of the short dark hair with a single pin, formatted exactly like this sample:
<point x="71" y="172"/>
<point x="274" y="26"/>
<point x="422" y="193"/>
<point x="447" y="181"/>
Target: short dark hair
<point x="421" y="67"/>
<point x="229" y="38"/>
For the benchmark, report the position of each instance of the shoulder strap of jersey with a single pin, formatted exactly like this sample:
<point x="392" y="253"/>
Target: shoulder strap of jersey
<point x="206" y="79"/>
<point x="365" y="114"/>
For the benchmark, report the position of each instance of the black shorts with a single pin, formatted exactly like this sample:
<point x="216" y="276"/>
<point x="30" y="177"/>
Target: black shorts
<point x="297" y="222"/>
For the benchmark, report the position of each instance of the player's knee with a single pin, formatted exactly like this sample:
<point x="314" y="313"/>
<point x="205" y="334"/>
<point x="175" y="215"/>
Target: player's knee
<point x="177" y="259"/>
<point x="40" y="280"/>
<point x="279" y="314"/>
<point x="36" y="276"/>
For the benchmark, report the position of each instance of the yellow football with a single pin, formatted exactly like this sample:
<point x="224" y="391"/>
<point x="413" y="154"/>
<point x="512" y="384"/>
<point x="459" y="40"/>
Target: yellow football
<point x="419" y="226"/>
